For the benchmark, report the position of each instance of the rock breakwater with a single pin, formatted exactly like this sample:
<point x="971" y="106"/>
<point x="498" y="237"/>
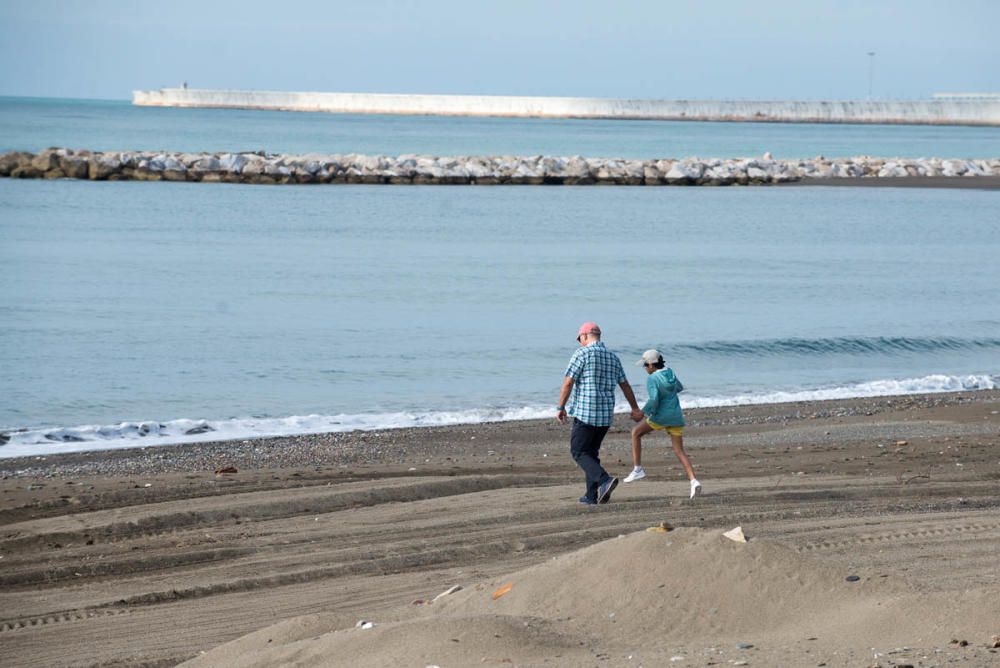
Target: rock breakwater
<point x="260" y="168"/>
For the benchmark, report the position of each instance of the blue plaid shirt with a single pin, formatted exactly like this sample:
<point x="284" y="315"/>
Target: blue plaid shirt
<point x="595" y="371"/>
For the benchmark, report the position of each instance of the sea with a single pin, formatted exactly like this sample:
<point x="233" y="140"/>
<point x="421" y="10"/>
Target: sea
<point x="143" y="314"/>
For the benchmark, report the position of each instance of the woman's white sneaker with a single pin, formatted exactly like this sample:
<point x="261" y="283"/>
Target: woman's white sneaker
<point x="638" y="473"/>
<point x="695" y="488"/>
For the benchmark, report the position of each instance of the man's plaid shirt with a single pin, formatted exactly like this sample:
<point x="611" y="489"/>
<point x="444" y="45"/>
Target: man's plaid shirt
<point x="595" y="371"/>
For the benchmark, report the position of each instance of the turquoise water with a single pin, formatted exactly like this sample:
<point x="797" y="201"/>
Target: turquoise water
<point x="33" y="124"/>
<point x="135" y="312"/>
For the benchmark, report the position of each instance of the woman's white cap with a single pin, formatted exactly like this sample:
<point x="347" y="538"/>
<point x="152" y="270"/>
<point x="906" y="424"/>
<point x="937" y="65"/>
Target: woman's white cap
<point x="651" y="356"/>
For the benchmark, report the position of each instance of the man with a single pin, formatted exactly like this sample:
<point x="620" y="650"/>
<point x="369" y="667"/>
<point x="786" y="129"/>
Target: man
<point x="590" y="378"/>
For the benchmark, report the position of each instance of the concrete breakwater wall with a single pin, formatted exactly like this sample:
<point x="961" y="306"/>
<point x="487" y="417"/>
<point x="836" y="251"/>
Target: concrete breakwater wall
<point x="258" y="168"/>
<point x="942" y="111"/>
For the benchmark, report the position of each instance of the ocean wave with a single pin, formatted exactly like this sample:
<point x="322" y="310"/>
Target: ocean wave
<point x="45" y="441"/>
<point x="848" y="345"/>
<point x="932" y="384"/>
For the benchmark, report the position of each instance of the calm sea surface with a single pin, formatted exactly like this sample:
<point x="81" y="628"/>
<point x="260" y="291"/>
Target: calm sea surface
<point x="134" y="312"/>
<point x="33" y="124"/>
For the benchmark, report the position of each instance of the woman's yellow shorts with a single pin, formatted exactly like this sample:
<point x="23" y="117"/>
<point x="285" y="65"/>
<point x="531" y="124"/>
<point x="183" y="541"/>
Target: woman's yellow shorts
<point x="673" y="431"/>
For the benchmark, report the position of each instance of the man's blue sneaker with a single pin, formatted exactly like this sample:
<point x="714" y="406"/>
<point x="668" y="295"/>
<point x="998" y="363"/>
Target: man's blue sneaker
<point x="604" y="491"/>
<point x="587" y="502"/>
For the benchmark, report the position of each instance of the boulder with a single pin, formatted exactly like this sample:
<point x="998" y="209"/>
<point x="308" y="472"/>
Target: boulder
<point x="207" y="164"/>
<point x="478" y="169"/>
<point x="651" y="175"/>
<point x="577" y="168"/>
<point x="232" y="162"/>
<point x="370" y="163"/>
<point x="724" y="174"/>
<point x="11" y="161"/>
<point x="609" y="171"/>
<point x="685" y="171"/>
<point x="46" y="160"/>
<point x="103" y="165"/>
<point x="303" y="175"/>
<point x="169" y="167"/>
<point x="953" y="168"/>
<point x="892" y="169"/>
<point x="634" y="172"/>
<point x="75" y="166"/>
<point x="527" y="175"/>
<point x="252" y="168"/>
<point x="26" y="172"/>
<point x="171" y="163"/>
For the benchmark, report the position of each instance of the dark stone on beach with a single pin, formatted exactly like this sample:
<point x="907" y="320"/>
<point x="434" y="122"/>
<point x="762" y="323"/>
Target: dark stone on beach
<point x="744" y="645"/>
<point x="200" y="429"/>
<point x="4" y="439"/>
<point x="852" y="578"/>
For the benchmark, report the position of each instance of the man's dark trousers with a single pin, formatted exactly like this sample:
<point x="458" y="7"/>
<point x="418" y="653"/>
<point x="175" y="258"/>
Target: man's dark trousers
<point x="585" y="445"/>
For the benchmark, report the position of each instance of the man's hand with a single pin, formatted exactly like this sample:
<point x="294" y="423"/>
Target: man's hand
<point x="637" y="415"/>
<point x="564" y="392"/>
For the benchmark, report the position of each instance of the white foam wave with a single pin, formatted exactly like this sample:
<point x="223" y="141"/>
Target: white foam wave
<point x="45" y="441"/>
<point x="932" y="384"/>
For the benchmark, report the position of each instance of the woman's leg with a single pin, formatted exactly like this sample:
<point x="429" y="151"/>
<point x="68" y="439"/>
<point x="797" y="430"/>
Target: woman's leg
<point x="638" y="432"/>
<point x="678" y="444"/>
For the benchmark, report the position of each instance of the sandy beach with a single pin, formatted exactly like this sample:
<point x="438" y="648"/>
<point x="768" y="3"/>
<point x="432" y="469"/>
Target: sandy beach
<point x="873" y="532"/>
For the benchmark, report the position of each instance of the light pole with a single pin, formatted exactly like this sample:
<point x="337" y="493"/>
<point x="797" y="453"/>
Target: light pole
<point x="871" y="70"/>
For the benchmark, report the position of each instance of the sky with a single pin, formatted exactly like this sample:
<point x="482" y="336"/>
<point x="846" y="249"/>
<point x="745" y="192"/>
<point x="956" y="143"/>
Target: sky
<point x="773" y="49"/>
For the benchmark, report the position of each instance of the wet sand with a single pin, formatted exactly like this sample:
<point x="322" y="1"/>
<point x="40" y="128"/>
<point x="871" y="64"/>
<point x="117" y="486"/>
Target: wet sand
<point x="149" y="557"/>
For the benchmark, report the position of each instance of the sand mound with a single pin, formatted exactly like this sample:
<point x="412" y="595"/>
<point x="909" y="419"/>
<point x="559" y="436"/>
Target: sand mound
<point x="679" y="585"/>
<point x="644" y="591"/>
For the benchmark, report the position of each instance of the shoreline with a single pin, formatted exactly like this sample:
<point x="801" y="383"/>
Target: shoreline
<point x="335" y="448"/>
<point x="266" y="169"/>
